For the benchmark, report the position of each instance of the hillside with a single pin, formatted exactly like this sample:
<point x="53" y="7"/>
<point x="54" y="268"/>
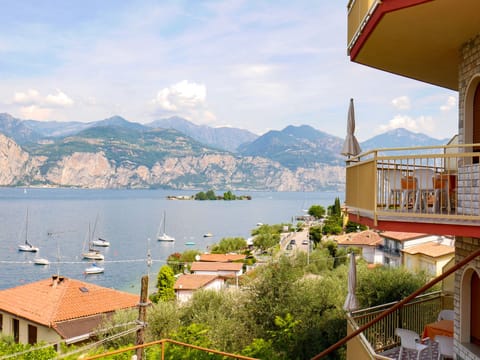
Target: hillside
<point x="116" y="153"/>
<point x="297" y="146"/>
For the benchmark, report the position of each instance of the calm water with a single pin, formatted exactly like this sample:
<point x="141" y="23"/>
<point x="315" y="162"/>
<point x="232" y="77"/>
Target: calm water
<point x="130" y="220"/>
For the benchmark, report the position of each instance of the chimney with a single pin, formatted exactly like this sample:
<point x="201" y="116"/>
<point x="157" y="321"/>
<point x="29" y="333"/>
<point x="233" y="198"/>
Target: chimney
<point x="54" y="280"/>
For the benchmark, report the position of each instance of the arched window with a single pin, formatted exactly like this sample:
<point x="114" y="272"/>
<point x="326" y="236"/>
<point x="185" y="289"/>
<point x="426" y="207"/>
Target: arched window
<point x="476" y="121"/>
<point x="475" y="309"/>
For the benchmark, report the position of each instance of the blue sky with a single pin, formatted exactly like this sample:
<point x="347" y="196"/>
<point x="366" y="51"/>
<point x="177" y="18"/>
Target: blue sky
<point x="256" y="65"/>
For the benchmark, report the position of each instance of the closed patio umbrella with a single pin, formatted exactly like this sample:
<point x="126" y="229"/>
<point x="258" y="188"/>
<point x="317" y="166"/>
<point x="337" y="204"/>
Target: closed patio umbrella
<point x="350" y="145"/>
<point x="351" y="302"/>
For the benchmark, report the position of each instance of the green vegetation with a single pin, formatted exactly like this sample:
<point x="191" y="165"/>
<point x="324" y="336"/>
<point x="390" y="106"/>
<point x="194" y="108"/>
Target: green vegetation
<point x="227" y="245"/>
<point x="210" y="195"/>
<point x="317" y="211"/>
<point x="165" y="283"/>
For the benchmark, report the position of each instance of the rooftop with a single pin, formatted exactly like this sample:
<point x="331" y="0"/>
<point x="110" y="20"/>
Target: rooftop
<point x="215" y="266"/>
<point x="222" y="257"/>
<point x="193" y="281"/>
<point x="49" y="301"/>
<point x="432" y="249"/>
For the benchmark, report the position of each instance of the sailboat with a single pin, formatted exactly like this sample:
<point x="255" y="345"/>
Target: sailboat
<point x="94" y="269"/>
<point x="27" y="246"/>
<point x="164" y="236"/>
<point x="92" y="253"/>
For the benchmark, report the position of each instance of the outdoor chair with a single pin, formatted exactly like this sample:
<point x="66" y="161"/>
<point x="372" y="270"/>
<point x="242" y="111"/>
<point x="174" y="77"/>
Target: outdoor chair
<point x="425" y="188"/>
<point x="446" y="315"/>
<point x="445" y="346"/>
<point x="394" y="191"/>
<point x="409" y="341"/>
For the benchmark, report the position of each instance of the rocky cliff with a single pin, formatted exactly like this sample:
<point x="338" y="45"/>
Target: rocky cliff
<point x="202" y="171"/>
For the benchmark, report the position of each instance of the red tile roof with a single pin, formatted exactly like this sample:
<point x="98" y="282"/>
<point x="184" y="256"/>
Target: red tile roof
<point x="193" y="281"/>
<point x="431" y="249"/>
<point x="215" y="266"/>
<point x="222" y="257"/>
<point x="368" y="237"/>
<point x="401" y="236"/>
<point x="46" y="304"/>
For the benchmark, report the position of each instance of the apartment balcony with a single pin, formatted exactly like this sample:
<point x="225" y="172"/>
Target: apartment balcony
<point x="434" y="190"/>
<point x="379" y="340"/>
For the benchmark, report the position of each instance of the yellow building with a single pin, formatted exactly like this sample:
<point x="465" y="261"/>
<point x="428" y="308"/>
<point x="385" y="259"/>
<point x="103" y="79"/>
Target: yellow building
<point x="437" y="42"/>
<point x="430" y="257"/>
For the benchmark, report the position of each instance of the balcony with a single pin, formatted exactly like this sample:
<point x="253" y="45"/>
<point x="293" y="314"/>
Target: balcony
<point x="428" y="189"/>
<point x="379" y="340"/>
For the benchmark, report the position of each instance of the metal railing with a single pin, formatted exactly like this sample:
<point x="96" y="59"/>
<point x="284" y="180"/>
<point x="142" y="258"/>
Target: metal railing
<point x="437" y="183"/>
<point x="157" y="349"/>
<point x="414" y="315"/>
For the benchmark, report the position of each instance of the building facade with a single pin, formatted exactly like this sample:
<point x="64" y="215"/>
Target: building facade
<point x="437" y="42"/>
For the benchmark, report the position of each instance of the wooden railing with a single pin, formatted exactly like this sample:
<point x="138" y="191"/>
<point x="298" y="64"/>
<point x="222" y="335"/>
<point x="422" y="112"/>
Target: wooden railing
<point x="377" y="183"/>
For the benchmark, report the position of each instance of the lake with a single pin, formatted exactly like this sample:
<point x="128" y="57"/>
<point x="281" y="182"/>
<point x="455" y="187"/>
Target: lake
<point x="59" y="221"/>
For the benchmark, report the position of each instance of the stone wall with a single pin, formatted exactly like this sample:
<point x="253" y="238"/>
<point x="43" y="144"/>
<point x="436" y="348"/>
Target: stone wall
<point x="468" y="184"/>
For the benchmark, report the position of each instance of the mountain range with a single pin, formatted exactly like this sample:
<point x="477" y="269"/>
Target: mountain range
<point x="175" y="153"/>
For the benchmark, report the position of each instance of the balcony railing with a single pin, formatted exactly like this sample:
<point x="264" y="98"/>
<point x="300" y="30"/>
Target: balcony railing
<point x="430" y="184"/>
<point x="415" y="315"/>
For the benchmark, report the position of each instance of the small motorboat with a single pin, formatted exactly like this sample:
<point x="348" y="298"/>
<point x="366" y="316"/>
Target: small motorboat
<point x="190" y="243"/>
<point x="208" y="234"/>
<point x="41" y="261"/>
<point x="94" y="269"/>
<point x="101" y="242"/>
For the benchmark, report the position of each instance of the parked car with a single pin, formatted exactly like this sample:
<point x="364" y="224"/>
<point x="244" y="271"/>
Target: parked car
<point x="293" y="242"/>
<point x="305" y="242"/>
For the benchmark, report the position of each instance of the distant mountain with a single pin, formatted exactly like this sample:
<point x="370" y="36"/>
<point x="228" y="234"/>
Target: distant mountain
<point x="17" y="129"/>
<point x="120" y="122"/>
<point x="400" y="138"/>
<point x="297" y="147"/>
<point x="223" y="137"/>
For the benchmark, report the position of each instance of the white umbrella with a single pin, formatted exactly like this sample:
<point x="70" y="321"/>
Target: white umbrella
<point x="351" y="302"/>
<point x="350" y="146"/>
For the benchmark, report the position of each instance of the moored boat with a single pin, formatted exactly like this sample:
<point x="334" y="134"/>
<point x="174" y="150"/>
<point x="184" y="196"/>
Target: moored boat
<point x="101" y="242"/>
<point x="41" y="261"/>
<point x="208" y="234"/>
<point x="26" y="246"/>
<point x="94" y="269"/>
<point x="164" y="236"/>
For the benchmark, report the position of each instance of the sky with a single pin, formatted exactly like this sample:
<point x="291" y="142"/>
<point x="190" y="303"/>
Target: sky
<point x="257" y="65"/>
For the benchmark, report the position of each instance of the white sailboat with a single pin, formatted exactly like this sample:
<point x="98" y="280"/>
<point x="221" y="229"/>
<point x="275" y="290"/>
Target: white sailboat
<point x="164" y="236"/>
<point x="92" y="253"/>
<point x="94" y="269"/>
<point x="27" y="246"/>
<point x="101" y="242"/>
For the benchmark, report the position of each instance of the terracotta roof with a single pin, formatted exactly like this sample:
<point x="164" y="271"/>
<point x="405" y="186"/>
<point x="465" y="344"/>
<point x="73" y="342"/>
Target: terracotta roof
<point x="193" y="282"/>
<point x="45" y="303"/>
<point x="222" y="257"/>
<point x="431" y="249"/>
<point x="401" y="236"/>
<point x="215" y="266"/>
<point x="368" y="237"/>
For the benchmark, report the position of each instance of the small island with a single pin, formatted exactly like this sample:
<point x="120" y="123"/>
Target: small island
<point x="210" y="195"/>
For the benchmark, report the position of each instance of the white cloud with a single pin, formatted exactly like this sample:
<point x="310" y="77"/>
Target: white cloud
<point x="449" y="104"/>
<point x="421" y="124"/>
<point x="186" y="99"/>
<point x="35" y="112"/>
<point x="33" y="97"/>
<point x="401" y="103"/>
<point x="59" y="99"/>
<point x="29" y="97"/>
